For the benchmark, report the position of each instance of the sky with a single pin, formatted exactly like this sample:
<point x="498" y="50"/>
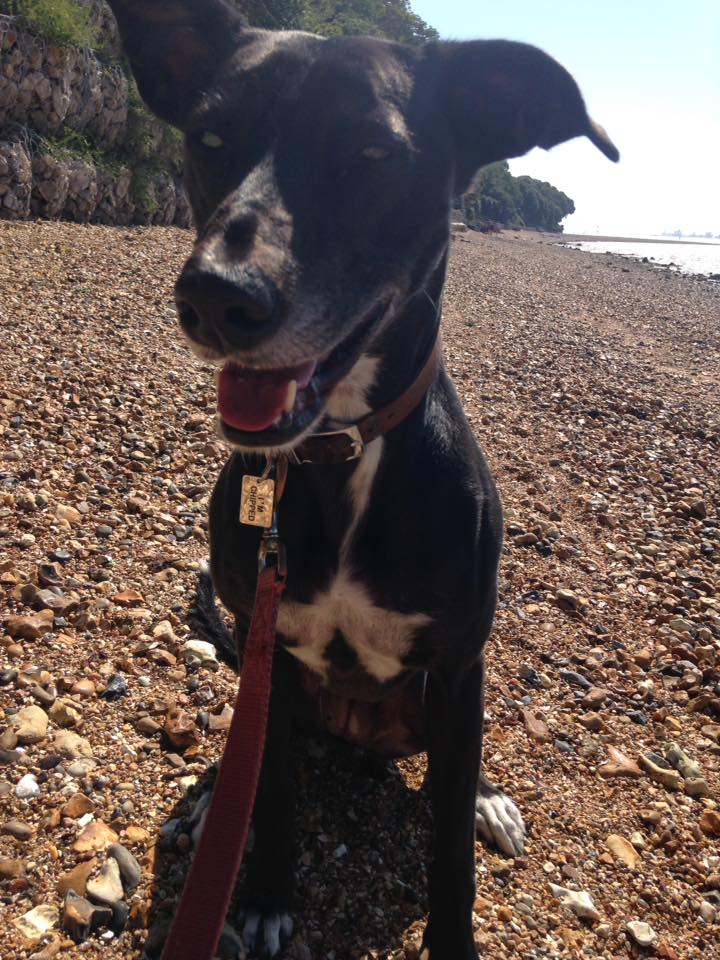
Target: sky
<point x="649" y="71"/>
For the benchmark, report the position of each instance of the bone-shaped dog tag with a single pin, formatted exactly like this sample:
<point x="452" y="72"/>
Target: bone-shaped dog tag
<point x="256" y="501"/>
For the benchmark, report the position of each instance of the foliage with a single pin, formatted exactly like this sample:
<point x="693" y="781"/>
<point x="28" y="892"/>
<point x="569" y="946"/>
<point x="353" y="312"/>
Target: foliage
<point x="70" y="144"/>
<point x="65" y="22"/>
<point x="500" y="197"/>
<point x="149" y="139"/>
<point x="390" y="19"/>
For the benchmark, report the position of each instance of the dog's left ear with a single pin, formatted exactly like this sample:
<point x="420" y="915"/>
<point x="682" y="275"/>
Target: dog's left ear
<point x="504" y="98"/>
<point x="175" y="47"/>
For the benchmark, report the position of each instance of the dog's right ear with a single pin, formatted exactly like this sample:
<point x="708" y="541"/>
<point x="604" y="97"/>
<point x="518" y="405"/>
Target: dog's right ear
<point x="174" y="48"/>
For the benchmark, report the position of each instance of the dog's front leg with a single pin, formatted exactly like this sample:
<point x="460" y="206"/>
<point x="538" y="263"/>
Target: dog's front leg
<point x="453" y="713"/>
<point x="267" y="893"/>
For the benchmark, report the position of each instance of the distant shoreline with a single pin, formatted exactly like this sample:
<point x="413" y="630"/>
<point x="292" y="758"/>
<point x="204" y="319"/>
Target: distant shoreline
<point x="583" y="238"/>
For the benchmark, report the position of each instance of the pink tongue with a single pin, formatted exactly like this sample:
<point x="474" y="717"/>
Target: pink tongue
<point x="252" y="400"/>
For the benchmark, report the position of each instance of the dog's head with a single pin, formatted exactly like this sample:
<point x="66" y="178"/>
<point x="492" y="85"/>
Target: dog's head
<point x="321" y="173"/>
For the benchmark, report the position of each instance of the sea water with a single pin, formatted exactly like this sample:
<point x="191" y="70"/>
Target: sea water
<point x="687" y="256"/>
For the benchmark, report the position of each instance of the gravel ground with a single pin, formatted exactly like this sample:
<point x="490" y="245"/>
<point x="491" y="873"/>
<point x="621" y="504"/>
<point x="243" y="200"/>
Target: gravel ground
<point x="594" y="386"/>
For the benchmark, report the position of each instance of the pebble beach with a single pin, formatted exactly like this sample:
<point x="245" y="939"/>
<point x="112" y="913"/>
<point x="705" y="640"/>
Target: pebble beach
<point x="593" y="385"/>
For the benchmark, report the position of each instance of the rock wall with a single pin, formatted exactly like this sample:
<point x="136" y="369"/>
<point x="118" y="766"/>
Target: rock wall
<point x="46" y="89"/>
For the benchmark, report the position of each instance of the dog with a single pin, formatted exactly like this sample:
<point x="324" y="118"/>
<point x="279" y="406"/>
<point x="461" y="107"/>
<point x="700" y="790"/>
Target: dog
<point x="321" y="174"/>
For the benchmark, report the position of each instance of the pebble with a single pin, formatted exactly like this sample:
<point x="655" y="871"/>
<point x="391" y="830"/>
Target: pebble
<point x="11" y="869"/>
<point x="80" y="917"/>
<point x="670" y="779"/>
<point x="595" y="698"/>
<point x="642" y="933"/>
<point x="708" y="912"/>
<point x="76" y="879"/>
<point x="17" y="829"/>
<point x="95" y="837"/>
<point x="36" y="922"/>
<point x="77" y="806"/>
<point x="107" y="886"/>
<point x="619" y="765"/>
<point x="30" y="725"/>
<point x="27" y="787"/>
<point x="578" y="902"/>
<point x="65" y="713"/>
<point x="127" y="864"/>
<point x="536" y="728"/>
<point x="623" y="849"/>
<point x="32" y="627"/>
<point x="116" y="688"/>
<point x="710" y="823"/>
<point x="71" y="745"/>
<point x="205" y="651"/>
<point x="676" y="756"/>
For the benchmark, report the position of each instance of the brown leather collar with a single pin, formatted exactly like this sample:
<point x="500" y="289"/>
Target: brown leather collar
<point x="349" y="441"/>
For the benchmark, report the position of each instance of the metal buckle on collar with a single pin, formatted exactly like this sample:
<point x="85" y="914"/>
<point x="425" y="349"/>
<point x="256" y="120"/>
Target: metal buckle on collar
<point x="349" y="446"/>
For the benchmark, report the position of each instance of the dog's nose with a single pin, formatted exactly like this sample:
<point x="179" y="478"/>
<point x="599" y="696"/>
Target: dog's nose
<point x="236" y="306"/>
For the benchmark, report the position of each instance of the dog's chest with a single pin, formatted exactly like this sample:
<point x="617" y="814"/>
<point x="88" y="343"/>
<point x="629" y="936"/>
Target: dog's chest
<point x="344" y="629"/>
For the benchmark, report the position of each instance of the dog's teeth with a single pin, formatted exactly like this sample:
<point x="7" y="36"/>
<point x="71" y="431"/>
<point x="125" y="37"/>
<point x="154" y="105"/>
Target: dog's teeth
<point x="291" y="395"/>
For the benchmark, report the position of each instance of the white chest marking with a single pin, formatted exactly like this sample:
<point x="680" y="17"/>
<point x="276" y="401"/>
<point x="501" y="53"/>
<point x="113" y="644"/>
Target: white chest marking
<point x="380" y="638"/>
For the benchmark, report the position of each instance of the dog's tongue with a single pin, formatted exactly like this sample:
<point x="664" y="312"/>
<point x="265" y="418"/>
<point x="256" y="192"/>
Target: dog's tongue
<point x="252" y="400"/>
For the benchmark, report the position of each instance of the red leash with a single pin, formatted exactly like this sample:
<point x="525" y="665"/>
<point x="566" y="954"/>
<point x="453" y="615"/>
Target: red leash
<point x="200" y="915"/>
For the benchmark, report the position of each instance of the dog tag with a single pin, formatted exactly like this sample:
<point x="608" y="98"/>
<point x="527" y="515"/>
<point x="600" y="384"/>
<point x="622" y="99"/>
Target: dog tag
<point x="256" y="501"/>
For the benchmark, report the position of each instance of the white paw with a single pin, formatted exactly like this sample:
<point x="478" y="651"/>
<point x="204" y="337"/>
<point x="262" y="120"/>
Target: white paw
<point x="197" y="817"/>
<point x="275" y="928"/>
<point x="499" y="822"/>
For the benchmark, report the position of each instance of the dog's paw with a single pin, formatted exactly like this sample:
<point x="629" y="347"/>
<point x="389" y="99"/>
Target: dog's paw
<point x="499" y="823"/>
<point x="265" y="933"/>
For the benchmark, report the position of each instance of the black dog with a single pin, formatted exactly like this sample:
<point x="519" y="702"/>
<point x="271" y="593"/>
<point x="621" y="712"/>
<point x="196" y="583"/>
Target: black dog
<point x="321" y="174"/>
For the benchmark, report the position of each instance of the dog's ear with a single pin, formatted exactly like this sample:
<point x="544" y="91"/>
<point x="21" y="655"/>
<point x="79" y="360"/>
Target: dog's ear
<point x="174" y="48"/>
<point x="504" y="98"/>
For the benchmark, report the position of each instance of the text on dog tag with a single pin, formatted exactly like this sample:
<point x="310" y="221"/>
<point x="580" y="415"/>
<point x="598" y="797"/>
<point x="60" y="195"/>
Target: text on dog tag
<point x="256" y="501"/>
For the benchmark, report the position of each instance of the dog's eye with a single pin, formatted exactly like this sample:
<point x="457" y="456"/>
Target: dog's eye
<point x="210" y="139"/>
<point x="376" y="153"/>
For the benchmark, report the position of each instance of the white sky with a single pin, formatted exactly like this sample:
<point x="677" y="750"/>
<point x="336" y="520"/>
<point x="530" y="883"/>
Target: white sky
<point x="650" y="73"/>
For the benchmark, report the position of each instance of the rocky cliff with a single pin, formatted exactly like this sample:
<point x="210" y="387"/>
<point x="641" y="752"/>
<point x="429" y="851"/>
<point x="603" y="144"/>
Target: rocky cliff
<point x="75" y="141"/>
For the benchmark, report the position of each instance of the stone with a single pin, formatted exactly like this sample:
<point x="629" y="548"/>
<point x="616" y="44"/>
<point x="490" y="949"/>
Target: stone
<point x="670" y="779"/>
<point x="595" y="698"/>
<point x="83" y="688"/>
<point x="148" y="726"/>
<point x="697" y="787"/>
<point x="76" y="879"/>
<point x="17" y="829"/>
<point x="676" y="756"/>
<point x="623" y="850"/>
<point x="107" y="886"/>
<point x="180" y="728"/>
<point x="116" y="688"/>
<point x="80" y="917"/>
<point x="77" y="806"/>
<point x="642" y="933"/>
<point x="592" y="721"/>
<point x="36" y="922"/>
<point x="164" y="632"/>
<point x="578" y="902"/>
<point x="11" y="869"/>
<point x="710" y="823"/>
<point x="30" y="725"/>
<point x="27" y="787"/>
<point x="220" y="721"/>
<point x="129" y="867"/>
<point x="71" y="745"/>
<point x="65" y="713"/>
<point x="619" y="765"/>
<point x="95" y="837"/>
<point x="30" y="627"/>
<point x="67" y="513"/>
<point x="128" y="598"/>
<point x="201" y="649"/>
<point x="536" y="728"/>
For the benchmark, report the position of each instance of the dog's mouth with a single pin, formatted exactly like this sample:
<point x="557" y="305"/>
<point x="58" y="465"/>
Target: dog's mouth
<point x="273" y="407"/>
